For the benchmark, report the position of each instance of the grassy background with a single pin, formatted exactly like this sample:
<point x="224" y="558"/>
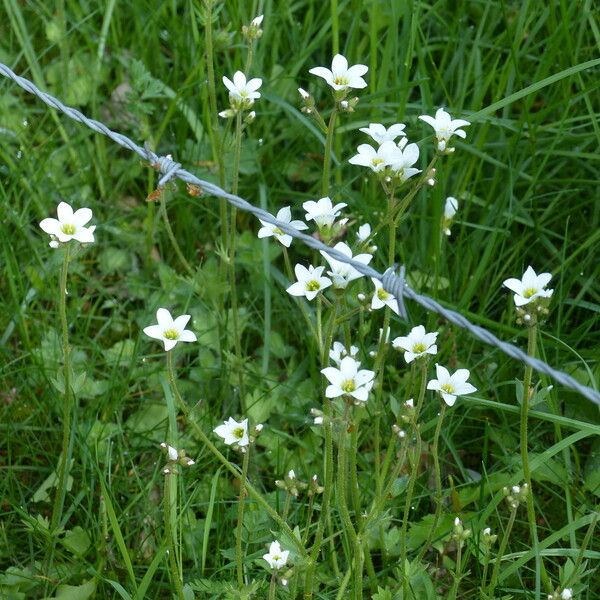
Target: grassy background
<point x="526" y="178"/>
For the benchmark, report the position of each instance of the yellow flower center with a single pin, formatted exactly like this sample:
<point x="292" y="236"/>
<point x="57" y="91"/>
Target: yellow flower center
<point x="376" y="161"/>
<point x="171" y="334"/>
<point x="341" y="80"/>
<point x="68" y="228"/>
<point x="244" y="94"/>
<point x="448" y="388"/>
<point x="419" y="347"/>
<point x="529" y="292"/>
<point x="382" y="294"/>
<point x="349" y="386"/>
<point x="313" y="285"/>
<point x="277" y="231"/>
<point x="238" y="432"/>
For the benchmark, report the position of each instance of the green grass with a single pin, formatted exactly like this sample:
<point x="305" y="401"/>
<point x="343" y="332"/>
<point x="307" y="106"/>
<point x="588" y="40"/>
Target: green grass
<point x="525" y="74"/>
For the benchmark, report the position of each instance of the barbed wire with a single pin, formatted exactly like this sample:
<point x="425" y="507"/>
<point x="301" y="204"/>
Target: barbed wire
<point x="392" y="283"/>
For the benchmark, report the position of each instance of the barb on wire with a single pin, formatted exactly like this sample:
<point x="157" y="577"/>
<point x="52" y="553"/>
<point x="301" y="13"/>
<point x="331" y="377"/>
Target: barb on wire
<point x="392" y="283"/>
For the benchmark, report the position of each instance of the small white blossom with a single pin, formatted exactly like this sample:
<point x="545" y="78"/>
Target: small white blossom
<point x="566" y="594"/>
<point x="364" y="233"/>
<point x="171" y="452"/>
<point x="233" y="432"/>
<point x="451" y="386"/>
<point x="445" y="127"/>
<point x="305" y="95"/>
<point x="338" y="351"/>
<point x="284" y="215"/>
<point x="242" y="93"/>
<point x="69" y="225"/>
<point x="402" y="159"/>
<point x="348" y="380"/>
<point x="318" y="420"/>
<point x="377" y="160"/>
<point x="276" y="557"/>
<point x="342" y="77"/>
<point x="380" y="134"/>
<point x="417" y="343"/>
<point x="450" y="209"/>
<point x="530" y="287"/>
<point x="383" y="298"/>
<point x="257" y="21"/>
<point x="342" y="273"/>
<point x="291" y="474"/>
<point x="310" y="282"/>
<point x="169" y="330"/>
<point x="322" y="212"/>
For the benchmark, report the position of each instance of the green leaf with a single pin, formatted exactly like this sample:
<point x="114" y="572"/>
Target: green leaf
<point x="76" y="592"/>
<point x="77" y="541"/>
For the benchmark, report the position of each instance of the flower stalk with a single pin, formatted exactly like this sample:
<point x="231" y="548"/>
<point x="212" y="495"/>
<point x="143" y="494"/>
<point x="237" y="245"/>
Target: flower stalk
<point x="240" y="518"/>
<point x="501" y="551"/>
<point x="170" y="512"/>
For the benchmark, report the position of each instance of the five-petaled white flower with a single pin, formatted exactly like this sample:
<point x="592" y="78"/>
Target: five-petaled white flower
<point x="417" y="343"/>
<point x="284" y="215"/>
<point x="450" y="208"/>
<point x="445" y="127"/>
<point x="530" y="287"/>
<point x="342" y="77"/>
<point x="233" y="432"/>
<point x="380" y="134"/>
<point x="451" y="386"/>
<point x="402" y="159"/>
<point x="383" y="298"/>
<point x="323" y="212"/>
<point x="377" y="160"/>
<point x="348" y="380"/>
<point x="310" y="282"/>
<point x="69" y="225"/>
<point x="338" y="352"/>
<point x="169" y="330"/>
<point x="276" y="557"/>
<point x="342" y="273"/>
<point x="242" y="91"/>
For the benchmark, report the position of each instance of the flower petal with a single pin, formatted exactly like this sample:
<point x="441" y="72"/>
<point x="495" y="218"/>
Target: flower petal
<point x="64" y="212"/>
<point x="187" y="336"/>
<point x="82" y="216"/>
<point x="154" y="331"/>
<point x="51" y="226"/>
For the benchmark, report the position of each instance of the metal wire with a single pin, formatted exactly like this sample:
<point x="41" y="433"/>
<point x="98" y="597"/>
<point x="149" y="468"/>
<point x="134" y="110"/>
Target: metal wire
<point x="392" y="283"/>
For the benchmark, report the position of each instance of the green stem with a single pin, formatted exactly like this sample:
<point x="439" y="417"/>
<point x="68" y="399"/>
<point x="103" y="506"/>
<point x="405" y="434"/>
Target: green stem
<point x="170" y="510"/>
<point x="286" y="506"/>
<point x="328" y="146"/>
<point x="457" y="573"/>
<point x="414" y="472"/>
<point x="486" y="565"/>
<point x="252" y="491"/>
<point x="240" y="519"/>
<point x="438" y="482"/>
<point x="310" y="511"/>
<point x="186" y="265"/>
<point x="531" y="518"/>
<point x="342" y="500"/>
<point x="272" y="587"/>
<point x="501" y="551"/>
<point x="231" y="258"/>
<point x="65" y="457"/>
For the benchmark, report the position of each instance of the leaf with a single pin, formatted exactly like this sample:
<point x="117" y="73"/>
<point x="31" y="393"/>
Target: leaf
<point x="76" y="592"/>
<point x="591" y="470"/>
<point x="77" y="541"/>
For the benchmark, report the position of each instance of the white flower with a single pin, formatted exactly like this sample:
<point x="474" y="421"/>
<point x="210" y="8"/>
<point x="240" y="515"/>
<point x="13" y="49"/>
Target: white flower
<point x="450" y="208"/>
<point x="241" y="90"/>
<point x="450" y="386"/>
<point x="566" y="594"/>
<point x="342" y="77"/>
<point x="530" y="287"/>
<point x="291" y="474"/>
<point x="276" y="557"/>
<point x="310" y="282"/>
<point x="171" y="452"/>
<point x="233" y="432"/>
<point x="380" y="134"/>
<point x="339" y="351"/>
<point x="342" y="273"/>
<point x="305" y="95"/>
<point x="169" y="330"/>
<point x="285" y="215"/>
<point x="445" y="128"/>
<point x="257" y="21"/>
<point x="417" y="343"/>
<point x="348" y="380"/>
<point x="402" y="159"/>
<point x="377" y="160"/>
<point x="383" y="298"/>
<point x="69" y="225"/>
<point x="322" y="212"/>
<point x="364" y="233"/>
<point x="318" y="420"/>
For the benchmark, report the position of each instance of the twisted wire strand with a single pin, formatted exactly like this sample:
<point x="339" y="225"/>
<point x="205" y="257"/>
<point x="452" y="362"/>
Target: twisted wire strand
<point x="392" y="283"/>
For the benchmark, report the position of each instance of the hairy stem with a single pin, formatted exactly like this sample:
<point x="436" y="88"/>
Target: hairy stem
<point x="170" y="515"/>
<point x="327" y="157"/>
<point x="501" y="551"/>
<point x="240" y="519"/>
